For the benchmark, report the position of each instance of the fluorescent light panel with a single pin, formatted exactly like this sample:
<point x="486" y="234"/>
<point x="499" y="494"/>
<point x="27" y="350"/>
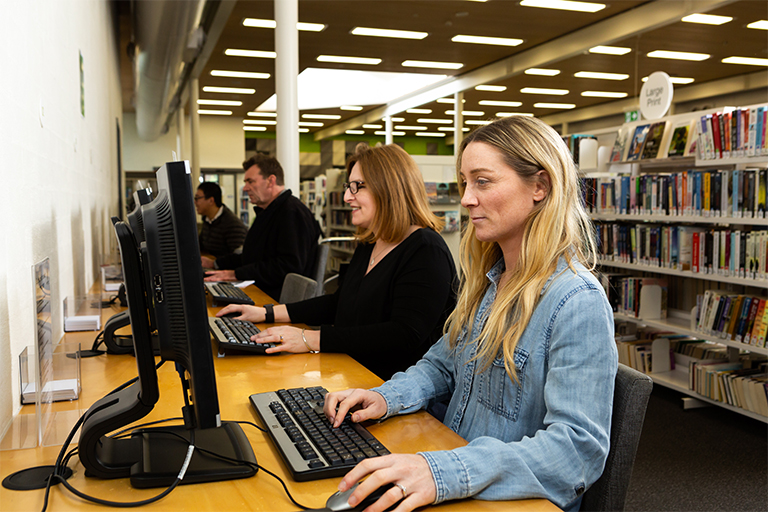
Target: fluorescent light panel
<point x="261" y="23"/>
<point x="303" y="130"/>
<point x="706" y="19"/>
<point x="310" y="123"/>
<point x="477" y="122"/>
<point x="259" y="54"/>
<point x="610" y="50"/>
<point x="601" y="76"/>
<point x="509" y="114"/>
<point x="491" y="88"/>
<point x="679" y="80"/>
<point x="668" y="54"/>
<point x="465" y="113"/>
<point x="321" y="116"/>
<point x="564" y="5"/>
<point x="494" y="103"/>
<point x="385" y="32"/>
<point x="539" y="90"/>
<point x="430" y="134"/>
<point x="395" y="119"/>
<point x="355" y="132"/>
<point x="239" y="74"/>
<point x="759" y="25"/>
<point x="262" y="114"/>
<point x="351" y="108"/>
<point x="496" y="41"/>
<point x="603" y="94"/>
<point x="434" y="121"/>
<point x="229" y="90"/>
<point x="542" y="71"/>
<point x="221" y="103"/>
<point x="431" y="64"/>
<point x="419" y="111"/>
<point x="260" y="121"/>
<point x="748" y="61"/>
<point x="409" y="127"/>
<point x="255" y="128"/>
<point x="450" y="129"/>
<point x="372" y="126"/>
<point x="215" y="112"/>
<point x="341" y="59"/>
<point x="394" y="134"/>
<point x="554" y="105"/>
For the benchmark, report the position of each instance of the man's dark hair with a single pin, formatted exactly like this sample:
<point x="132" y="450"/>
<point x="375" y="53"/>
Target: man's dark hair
<point x="211" y="190"/>
<point x="268" y="166"/>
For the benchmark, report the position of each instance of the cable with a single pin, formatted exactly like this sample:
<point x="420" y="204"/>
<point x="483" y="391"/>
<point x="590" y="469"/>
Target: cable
<point x="251" y="424"/>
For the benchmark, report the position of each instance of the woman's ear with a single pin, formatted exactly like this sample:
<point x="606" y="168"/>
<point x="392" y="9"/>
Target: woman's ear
<point x="541" y="186"/>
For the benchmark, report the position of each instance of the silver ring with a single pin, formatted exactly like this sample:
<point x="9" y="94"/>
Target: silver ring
<point x="402" y="488"/>
<point x="281" y="338"/>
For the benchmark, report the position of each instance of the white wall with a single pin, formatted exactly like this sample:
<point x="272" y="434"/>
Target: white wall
<point x="222" y="144"/>
<point x="59" y="175"/>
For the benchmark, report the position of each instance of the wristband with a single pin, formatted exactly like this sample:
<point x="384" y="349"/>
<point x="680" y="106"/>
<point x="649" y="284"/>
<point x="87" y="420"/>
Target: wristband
<point x="304" y="339"/>
<point x="269" y="317"/>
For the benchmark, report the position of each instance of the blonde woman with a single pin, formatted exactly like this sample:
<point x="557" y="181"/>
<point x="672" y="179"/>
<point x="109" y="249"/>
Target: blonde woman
<point x="398" y="290"/>
<point x="528" y="360"/>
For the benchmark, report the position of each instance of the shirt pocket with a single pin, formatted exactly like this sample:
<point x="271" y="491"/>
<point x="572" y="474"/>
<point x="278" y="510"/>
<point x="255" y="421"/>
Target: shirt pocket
<point x="498" y="392"/>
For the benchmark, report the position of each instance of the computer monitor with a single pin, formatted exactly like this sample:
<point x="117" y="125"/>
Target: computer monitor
<point x="163" y="274"/>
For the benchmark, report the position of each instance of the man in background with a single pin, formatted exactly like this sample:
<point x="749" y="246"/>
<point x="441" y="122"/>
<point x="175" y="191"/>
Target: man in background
<point x="223" y="233"/>
<point x="282" y="239"/>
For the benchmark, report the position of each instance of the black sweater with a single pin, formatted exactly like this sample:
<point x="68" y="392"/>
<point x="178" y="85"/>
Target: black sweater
<point x="223" y="235"/>
<point x="282" y="239"/>
<point x="388" y="319"/>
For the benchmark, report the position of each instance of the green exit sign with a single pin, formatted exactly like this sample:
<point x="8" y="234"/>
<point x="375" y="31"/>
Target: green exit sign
<point x="632" y="115"/>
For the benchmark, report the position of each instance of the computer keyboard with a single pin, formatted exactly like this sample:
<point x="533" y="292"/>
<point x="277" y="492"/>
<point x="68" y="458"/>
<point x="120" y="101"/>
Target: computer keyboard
<point x="309" y="445"/>
<point x="227" y="293"/>
<point x="234" y="334"/>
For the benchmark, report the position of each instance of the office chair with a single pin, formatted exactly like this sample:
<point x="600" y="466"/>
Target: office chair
<point x="296" y="288"/>
<point x="321" y="261"/>
<point x="630" y="399"/>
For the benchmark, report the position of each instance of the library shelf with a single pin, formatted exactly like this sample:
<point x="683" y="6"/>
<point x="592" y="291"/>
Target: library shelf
<point x="680" y="219"/>
<point x="339" y="227"/>
<point x="756" y="283"/>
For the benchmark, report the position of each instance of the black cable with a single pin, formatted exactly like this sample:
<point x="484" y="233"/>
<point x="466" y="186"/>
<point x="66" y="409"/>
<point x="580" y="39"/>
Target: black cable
<point x="251" y="424"/>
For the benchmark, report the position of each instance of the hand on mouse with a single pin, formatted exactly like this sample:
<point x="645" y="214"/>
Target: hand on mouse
<point x="243" y="312"/>
<point x="410" y="474"/>
<point x="338" y="404"/>
<point x="220" y="275"/>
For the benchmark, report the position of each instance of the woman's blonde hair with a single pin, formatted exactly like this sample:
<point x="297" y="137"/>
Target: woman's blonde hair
<point x="558" y="226"/>
<point x="397" y="187"/>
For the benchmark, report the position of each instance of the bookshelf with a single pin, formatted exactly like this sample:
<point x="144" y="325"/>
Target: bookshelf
<point x="614" y="205"/>
<point x="338" y="217"/>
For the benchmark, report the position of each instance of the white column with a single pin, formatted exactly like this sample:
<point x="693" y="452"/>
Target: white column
<point x="194" y="129"/>
<point x="286" y="85"/>
<point x="388" y="137"/>
<point x="180" y="133"/>
<point x="458" y="121"/>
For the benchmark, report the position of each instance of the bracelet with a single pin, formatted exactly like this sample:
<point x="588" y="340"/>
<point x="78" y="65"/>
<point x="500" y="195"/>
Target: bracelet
<point x="269" y="317"/>
<point x="304" y="339"/>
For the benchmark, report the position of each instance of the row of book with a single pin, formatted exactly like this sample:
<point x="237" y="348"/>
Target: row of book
<point x="733" y="133"/>
<point x="704" y="193"/>
<point x="625" y="294"/>
<point x="731" y="316"/>
<point x="733" y="383"/>
<point x="719" y="251"/>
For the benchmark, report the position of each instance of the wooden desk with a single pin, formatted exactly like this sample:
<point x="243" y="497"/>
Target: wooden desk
<point x="237" y="377"/>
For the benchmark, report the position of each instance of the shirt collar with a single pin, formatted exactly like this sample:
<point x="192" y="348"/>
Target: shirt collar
<point x="218" y="214"/>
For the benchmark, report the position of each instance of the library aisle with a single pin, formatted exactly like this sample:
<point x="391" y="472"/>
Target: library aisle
<point x="708" y="459"/>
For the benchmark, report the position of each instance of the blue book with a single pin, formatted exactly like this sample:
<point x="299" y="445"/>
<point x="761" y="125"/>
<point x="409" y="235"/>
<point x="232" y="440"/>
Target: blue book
<point x="674" y="249"/>
<point x="735" y="194"/>
<point x="697" y="193"/>
<point x="759" y="131"/>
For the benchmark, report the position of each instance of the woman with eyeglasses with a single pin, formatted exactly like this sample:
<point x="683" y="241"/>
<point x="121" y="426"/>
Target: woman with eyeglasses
<point x="398" y="289"/>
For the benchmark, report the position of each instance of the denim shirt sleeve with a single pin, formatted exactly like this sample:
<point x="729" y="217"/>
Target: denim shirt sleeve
<point x="567" y="454"/>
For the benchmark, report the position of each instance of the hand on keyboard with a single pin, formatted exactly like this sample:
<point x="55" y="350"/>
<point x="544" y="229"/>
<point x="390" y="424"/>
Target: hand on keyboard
<point x="243" y="312"/>
<point x="372" y="405"/>
<point x="289" y="339"/>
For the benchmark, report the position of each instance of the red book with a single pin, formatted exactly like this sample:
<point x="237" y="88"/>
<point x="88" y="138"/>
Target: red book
<point x="695" y="252"/>
<point x="716" y="134"/>
<point x="751" y="319"/>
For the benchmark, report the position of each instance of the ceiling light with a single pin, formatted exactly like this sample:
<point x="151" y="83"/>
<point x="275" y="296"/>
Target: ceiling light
<point x="497" y="41"/>
<point x="435" y="121"/>
<point x="372" y="126"/>
<point x="321" y="116"/>
<point x="749" y="61"/>
<point x="604" y="94"/>
<point x="554" y="105"/>
<point x="384" y="32"/>
<point x="229" y="90"/>
<point x="430" y="134"/>
<point x="477" y="122"/>
<point x="601" y="76"/>
<point x="465" y="113"/>
<point x="222" y="103"/>
<point x="394" y="119"/>
<point x="610" y="50"/>
<point x="255" y="128"/>
<point x="491" y="88"/>
<point x="494" y="103"/>
<point x="310" y="123"/>
<point x="759" y="25"/>
<point x="666" y="54"/>
<point x="542" y="71"/>
<point x="509" y="114"/>
<point x="262" y="114"/>
<point x="260" y="121"/>
<point x="564" y="5"/>
<point x="352" y="108"/>
<point x="449" y="101"/>
<point x="431" y="64"/>
<point x="419" y="111"/>
<point x="215" y="112"/>
<point x="451" y="128"/>
<point x="239" y="74"/>
<point x="259" y="54"/>
<point x="394" y="134"/>
<point x="303" y="130"/>
<point x="679" y="80"/>
<point x="355" y="132"/>
<point x="539" y="90"/>
<point x="706" y="19"/>
<point x="340" y="59"/>
<point x="408" y="127"/>
<point x="260" y="23"/>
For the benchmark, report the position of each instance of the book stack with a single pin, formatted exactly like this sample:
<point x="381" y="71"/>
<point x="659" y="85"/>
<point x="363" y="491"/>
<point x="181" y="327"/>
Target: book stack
<point x="739" y="384"/>
<point x="720" y="251"/>
<point x="735" y="317"/>
<point x="733" y="133"/>
<point x="706" y="193"/>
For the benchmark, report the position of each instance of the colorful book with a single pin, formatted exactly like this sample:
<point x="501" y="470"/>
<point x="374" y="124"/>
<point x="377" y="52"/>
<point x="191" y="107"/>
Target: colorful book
<point x="638" y="141"/>
<point x="653" y="141"/>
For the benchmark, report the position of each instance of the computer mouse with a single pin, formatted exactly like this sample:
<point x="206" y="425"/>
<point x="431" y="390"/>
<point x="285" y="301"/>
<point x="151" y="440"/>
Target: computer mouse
<point x="338" y="500"/>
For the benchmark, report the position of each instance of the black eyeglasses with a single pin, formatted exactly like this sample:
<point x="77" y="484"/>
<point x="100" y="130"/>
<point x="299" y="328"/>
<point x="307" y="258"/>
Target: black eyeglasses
<point x="354" y="186"/>
<point x="199" y="198"/>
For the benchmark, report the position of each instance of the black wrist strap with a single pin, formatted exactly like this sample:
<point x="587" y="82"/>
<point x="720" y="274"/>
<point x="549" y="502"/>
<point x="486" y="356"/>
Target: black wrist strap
<point x="270" y="316"/>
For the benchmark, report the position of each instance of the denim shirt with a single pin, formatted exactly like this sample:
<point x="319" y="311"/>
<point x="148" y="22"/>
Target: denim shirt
<point x="545" y="436"/>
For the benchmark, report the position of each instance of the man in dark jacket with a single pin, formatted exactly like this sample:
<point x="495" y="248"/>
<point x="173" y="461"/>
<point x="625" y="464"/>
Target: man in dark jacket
<point x="282" y="239"/>
<point x="223" y="232"/>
